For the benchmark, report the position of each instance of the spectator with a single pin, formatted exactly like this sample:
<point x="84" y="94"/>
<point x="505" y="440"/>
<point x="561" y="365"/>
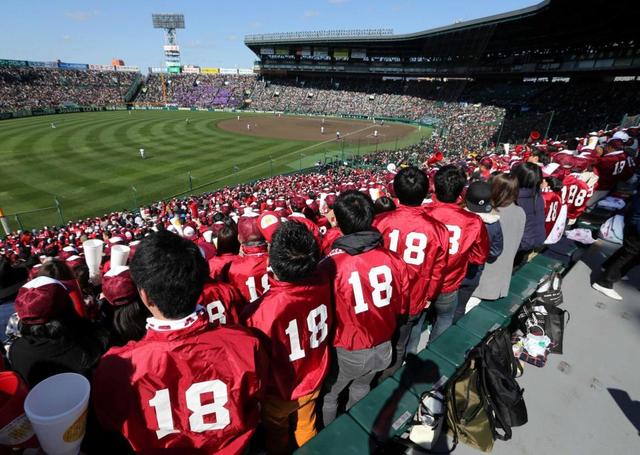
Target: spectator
<point x="295" y="318"/>
<point x="627" y="256"/>
<point x="478" y="200"/>
<point x="248" y="272"/>
<point x="468" y="242"/>
<point x="496" y="276"/>
<point x="529" y="178"/>
<point x="383" y="204"/>
<point x="423" y="243"/>
<point x="614" y="166"/>
<point x="124" y="312"/>
<point x="227" y="250"/>
<point x="152" y="391"/>
<point x="54" y="339"/>
<point x="370" y="292"/>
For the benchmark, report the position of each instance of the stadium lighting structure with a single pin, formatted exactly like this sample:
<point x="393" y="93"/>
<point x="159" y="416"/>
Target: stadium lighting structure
<point x="170" y="23"/>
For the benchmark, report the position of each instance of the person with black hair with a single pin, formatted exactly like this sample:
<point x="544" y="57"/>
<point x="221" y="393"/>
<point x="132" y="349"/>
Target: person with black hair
<point x="54" y="339"/>
<point x="227" y="249"/>
<point x="296" y="317"/>
<point x="468" y="241"/>
<point x="423" y="243"/>
<point x="370" y="294"/>
<point x="383" y="204"/>
<point x="529" y="178"/>
<point x="187" y="385"/>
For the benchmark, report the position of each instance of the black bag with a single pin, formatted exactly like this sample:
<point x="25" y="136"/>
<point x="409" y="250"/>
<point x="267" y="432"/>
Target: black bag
<point x="550" y="290"/>
<point x="552" y="323"/>
<point x="504" y="395"/>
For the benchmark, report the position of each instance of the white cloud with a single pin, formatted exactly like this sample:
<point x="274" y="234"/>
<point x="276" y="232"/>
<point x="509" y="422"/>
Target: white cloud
<point x="66" y="38"/>
<point x="232" y="38"/>
<point x="337" y="2"/>
<point x="311" y="13"/>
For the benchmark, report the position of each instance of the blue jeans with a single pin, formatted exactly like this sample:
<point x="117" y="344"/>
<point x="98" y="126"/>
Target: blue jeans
<point x="416" y="331"/>
<point x="445" y="309"/>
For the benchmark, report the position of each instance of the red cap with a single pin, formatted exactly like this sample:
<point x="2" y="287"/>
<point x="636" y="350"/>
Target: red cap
<point x="297" y="203"/>
<point x="268" y="223"/>
<point x="41" y="300"/>
<point x="118" y="287"/>
<point x="248" y="229"/>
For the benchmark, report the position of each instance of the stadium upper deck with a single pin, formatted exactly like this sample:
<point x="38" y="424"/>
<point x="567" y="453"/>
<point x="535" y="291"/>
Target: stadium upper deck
<point x="553" y="37"/>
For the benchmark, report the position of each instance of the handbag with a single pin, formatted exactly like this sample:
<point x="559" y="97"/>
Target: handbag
<point x="550" y="290"/>
<point x="547" y="316"/>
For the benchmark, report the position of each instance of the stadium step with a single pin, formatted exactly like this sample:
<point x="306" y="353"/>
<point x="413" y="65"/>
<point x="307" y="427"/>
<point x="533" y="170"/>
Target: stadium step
<point x="385" y="411"/>
<point x="454" y="344"/>
<point x="480" y="321"/>
<point x="533" y="272"/>
<point x="345" y="432"/>
<point x="522" y="286"/>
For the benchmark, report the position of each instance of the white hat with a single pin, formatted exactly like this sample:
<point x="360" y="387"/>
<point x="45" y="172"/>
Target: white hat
<point x="391" y="167"/>
<point x="620" y="135"/>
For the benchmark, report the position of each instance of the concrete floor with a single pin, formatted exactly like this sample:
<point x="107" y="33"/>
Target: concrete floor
<point x="587" y="400"/>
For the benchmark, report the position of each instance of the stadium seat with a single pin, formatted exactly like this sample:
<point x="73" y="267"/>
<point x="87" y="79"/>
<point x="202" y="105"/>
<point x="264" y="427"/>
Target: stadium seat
<point x="343" y="431"/>
<point x="454" y="344"/>
<point x="506" y="306"/>
<point x="425" y="371"/>
<point x="532" y="271"/>
<point x="522" y="286"/>
<point x="385" y="411"/>
<point x="547" y="263"/>
<point x="480" y="321"/>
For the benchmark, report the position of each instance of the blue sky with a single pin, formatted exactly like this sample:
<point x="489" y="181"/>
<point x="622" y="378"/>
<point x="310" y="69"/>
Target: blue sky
<point x="92" y="31"/>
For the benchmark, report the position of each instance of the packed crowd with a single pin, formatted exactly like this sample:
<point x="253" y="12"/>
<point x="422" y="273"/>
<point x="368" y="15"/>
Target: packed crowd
<point x="196" y="90"/>
<point x="35" y="88"/>
<point x="200" y="321"/>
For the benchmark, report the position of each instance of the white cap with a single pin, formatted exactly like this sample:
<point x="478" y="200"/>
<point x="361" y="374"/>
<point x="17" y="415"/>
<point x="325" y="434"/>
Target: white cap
<point x="620" y="135"/>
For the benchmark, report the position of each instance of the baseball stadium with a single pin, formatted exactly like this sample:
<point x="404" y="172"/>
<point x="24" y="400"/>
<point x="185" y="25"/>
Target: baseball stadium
<point x="363" y="242"/>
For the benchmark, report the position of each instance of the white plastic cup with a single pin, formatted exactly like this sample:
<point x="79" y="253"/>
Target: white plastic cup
<point x="93" y="255"/>
<point x="57" y="409"/>
<point x="119" y="255"/>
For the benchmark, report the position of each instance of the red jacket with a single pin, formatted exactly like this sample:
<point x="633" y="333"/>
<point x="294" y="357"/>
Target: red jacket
<point x="219" y="266"/>
<point x="612" y="168"/>
<point x="370" y="290"/>
<point x="423" y="244"/>
<point x="248" y="273"/>
<point x="222" y="302"/>
<point x="296" y="318"/>
<point x="184" y="386"/>
<point x="575" y="194"/>
<point x="552" y="205"/>
<point x="468" y="241"/>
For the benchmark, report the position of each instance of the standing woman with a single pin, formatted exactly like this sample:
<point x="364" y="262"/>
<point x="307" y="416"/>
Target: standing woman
<point x="496" y="276"/>
<point x="530" y="199"/>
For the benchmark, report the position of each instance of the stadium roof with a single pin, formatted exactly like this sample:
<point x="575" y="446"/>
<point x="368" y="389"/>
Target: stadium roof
<point x="558" y="25"/>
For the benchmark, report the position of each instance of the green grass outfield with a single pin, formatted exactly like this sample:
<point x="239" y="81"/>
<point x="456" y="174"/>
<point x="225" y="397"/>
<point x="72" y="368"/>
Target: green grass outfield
<point x="90" y="161"/>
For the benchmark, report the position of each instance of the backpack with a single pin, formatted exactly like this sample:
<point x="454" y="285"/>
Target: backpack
<point x="484" y="401"/>
<point x="505" y="397"/>
<point x="467" y="416"/>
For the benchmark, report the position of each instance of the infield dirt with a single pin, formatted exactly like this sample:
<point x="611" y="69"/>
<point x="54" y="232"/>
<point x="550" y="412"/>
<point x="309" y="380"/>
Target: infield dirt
<point x="309" y="128"/>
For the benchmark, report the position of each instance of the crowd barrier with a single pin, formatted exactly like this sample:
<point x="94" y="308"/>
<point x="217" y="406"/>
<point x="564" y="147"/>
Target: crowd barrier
<point x="388" y="409"/>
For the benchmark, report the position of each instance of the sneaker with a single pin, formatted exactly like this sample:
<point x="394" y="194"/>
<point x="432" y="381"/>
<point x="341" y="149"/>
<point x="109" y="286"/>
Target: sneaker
<point x="609" y="292"/>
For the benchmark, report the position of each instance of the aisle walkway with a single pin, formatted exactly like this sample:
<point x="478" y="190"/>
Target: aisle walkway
<point x="586" y="401"/>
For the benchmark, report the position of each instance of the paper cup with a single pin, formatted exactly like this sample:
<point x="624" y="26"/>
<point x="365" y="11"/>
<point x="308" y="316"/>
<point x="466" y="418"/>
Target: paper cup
<point x="57" y="409"/>
<point x="15" y="429"/>
<point x="119" y="255"/>
<point x="93" y="255"/>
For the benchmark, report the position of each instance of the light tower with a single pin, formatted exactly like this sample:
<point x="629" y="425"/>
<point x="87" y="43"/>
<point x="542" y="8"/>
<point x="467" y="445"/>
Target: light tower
<point x="170" y="22"/>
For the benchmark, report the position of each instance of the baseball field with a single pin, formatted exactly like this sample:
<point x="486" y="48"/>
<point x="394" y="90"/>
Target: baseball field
<point x="89" y="163"/>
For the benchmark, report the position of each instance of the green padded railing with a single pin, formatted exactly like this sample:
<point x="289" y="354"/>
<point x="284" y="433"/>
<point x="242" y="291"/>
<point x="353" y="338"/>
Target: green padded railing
<point x="387" y="410"/>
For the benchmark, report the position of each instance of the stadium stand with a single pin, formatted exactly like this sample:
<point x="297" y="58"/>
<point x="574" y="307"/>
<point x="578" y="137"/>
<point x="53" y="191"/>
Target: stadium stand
<point x="34" y="88"/>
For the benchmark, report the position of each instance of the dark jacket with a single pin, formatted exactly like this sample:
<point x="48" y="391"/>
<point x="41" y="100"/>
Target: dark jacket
<point x="39" y="358"/>
<point x="533" y="205"/>
<point x="492" y="223"/>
